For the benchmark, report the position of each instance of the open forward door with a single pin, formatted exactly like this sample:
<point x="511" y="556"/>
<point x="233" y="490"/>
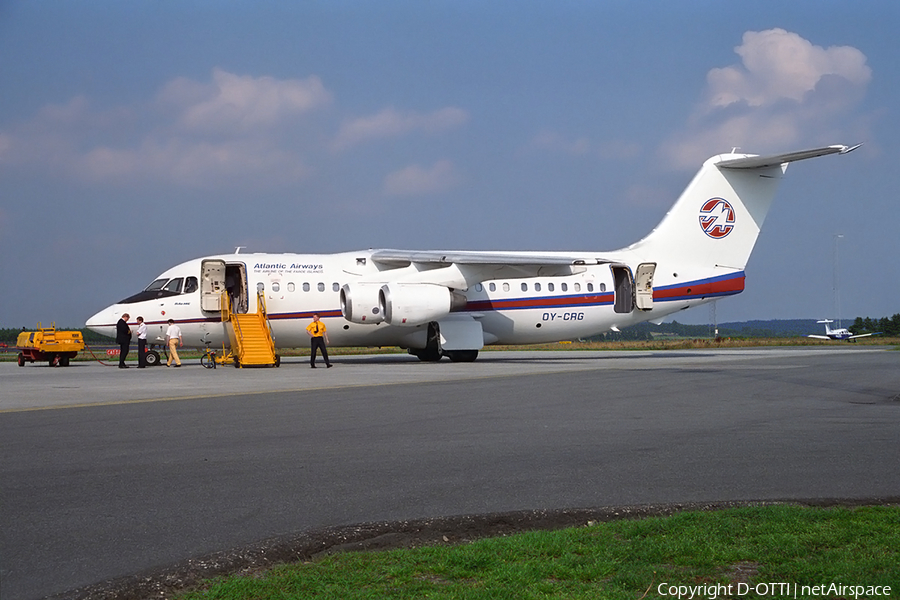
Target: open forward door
<point x="212" y="284"/>
<point x="643" y="286"/>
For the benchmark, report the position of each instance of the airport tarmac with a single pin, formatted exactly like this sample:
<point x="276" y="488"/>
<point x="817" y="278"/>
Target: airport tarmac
<point x="107" y="473"/>
<point x="38" y="386"/>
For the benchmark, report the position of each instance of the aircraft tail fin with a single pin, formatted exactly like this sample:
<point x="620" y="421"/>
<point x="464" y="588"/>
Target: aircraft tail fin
<point x="717" y="219"/>
<point x="827" y="323"/>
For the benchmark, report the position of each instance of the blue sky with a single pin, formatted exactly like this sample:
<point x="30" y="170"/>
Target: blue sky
<point x="136" y="135"/>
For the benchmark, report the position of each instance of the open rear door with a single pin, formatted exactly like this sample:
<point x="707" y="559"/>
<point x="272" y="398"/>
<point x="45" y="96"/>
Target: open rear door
<point x="624" y="289"/>
<point x="212" y="284"/>
<point x="643" y="286"/>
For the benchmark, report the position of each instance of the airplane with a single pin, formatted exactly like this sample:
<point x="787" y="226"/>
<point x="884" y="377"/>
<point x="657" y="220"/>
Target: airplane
<point x="838" y="334"/>
<point x="436" y="303"/>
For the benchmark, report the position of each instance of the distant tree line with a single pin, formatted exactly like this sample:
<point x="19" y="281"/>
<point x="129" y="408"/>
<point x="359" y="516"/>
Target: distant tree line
<point x="889" y="327"/>
<point x="645" y="331"/>
<point x="746" y="329"/>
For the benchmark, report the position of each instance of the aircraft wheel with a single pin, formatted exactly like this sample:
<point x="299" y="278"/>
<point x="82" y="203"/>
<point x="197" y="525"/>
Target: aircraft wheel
<point x="462" y="355"/>
<point x="427" y="355"/>
<point x="151" y="358"/>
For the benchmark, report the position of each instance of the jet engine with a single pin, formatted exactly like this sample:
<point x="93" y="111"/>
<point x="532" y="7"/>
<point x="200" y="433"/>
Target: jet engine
<point x="359" y="303"/>
<point x="410" y="304"/>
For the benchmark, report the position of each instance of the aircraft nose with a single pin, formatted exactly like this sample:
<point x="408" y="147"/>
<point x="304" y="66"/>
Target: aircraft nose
<point x="104" y="322"/>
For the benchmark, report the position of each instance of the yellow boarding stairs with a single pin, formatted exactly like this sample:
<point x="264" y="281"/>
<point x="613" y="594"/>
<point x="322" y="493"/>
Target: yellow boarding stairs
<point x="251" y="336"/>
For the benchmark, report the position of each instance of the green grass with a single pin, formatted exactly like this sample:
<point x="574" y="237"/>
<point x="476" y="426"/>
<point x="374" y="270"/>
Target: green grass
<point x="624" y="560"/>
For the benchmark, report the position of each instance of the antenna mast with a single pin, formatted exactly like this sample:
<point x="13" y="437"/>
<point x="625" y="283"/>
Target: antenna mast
<point x="834" y="277"/>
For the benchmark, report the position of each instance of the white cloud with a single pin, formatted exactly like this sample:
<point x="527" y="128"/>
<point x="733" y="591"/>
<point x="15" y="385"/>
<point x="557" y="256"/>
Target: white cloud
<point x="225" y="132"/>
<point x="391" y="123"/>
<point x="234" y="102"/>
<point x="416" y="180"/>
<point x="777" y="65"/>
<point x="228" y="131"/>
<point x="785" y="91"/>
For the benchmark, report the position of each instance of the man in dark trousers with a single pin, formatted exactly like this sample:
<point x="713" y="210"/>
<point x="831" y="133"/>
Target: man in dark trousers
<point x="317" y="338"/>
<point x="123" y="339"/>
<point x="142" y="343"/>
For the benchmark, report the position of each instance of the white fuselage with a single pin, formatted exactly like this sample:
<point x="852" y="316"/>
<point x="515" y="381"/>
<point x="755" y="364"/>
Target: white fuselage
<point x="525" y="310"/>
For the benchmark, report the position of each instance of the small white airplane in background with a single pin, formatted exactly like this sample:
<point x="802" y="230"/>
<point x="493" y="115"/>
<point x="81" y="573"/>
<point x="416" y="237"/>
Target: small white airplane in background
<point x="452" y="303"/>
<point x="841" y="333"/>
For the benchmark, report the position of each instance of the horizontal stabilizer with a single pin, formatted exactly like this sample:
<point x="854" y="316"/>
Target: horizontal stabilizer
<point x="761" y="162"/>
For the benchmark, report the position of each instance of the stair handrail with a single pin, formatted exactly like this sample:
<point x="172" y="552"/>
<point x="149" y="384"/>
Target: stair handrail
<point x="225" y="305"/>
<point x="235" y="334"/>
<point x="264" y="317"/>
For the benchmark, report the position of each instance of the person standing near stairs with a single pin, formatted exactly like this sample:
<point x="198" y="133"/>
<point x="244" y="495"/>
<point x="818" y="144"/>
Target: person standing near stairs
<point x="173" y="340"/>
<point x="142" y="343"/>
<point x="317" y="340"/>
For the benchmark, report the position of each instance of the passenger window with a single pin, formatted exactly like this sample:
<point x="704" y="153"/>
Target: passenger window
<point x="335" y="287"/>
<point x="564" y="287"/>
<point x="478" y="287"/>
<point x="190" y="285"/>
<point x="550" y="287"/>
<point x="602" y="287"/>
<point x="590" y="287"/>
<point x="493" y="287"/>
<point x="505" y="287"/>
<point x="305" y="286"/>
<point x="260" y="286"/>
<point x="577" y="286"/>
<point x="291" y="286"/>
<point x="174" y="285"/>
<point x="537" y="287"/>
<point x="275" y="287"/>
<point x="524" y="287"/>
<point x="321" y="287"/>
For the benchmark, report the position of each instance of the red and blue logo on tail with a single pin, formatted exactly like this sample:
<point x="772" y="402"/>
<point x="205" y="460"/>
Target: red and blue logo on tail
<point x="717" y="218"/>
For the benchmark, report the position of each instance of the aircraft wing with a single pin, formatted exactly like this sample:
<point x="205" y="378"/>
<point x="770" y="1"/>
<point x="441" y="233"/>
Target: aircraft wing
<point x="486" y="258"/>
<point x="462" y="268"/>
<point x="818" y="337"/>
<point x="853" y="337"/>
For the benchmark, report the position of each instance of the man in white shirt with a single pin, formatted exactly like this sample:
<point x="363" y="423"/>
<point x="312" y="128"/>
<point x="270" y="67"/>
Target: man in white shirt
<point x="142" y="343"/>
<point x="173" y="340"/>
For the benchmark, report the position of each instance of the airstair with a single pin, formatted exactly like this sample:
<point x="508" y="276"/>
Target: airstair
<point x="251" y="337"/>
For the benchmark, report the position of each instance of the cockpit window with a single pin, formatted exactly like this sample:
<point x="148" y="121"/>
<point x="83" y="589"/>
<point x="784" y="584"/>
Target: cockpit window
<point x="174" y="285"/>
<point x="163" y="288"/>
<point x="156" y="285"/>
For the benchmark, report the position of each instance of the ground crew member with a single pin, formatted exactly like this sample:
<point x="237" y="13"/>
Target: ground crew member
<point x="317" y="340"/>
<point x="142" y="343"/>
<point x="173" y="340"/>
